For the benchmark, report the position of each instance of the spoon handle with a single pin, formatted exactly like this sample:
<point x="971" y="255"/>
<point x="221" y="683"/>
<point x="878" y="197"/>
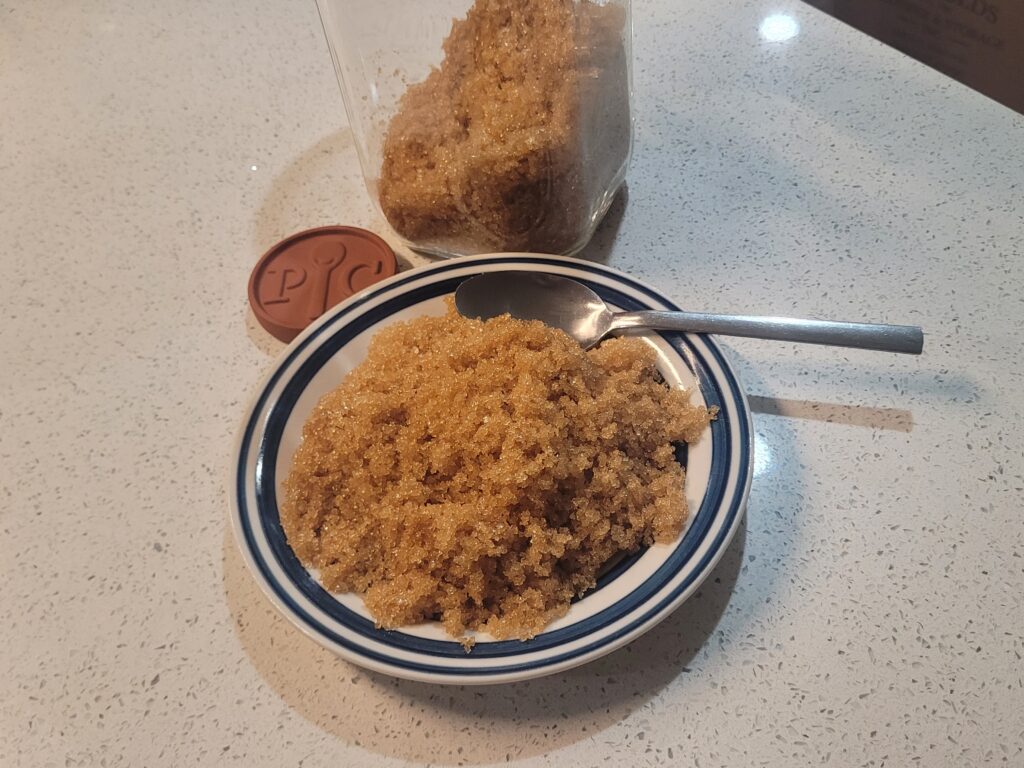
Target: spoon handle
<point x="885" y="338"/>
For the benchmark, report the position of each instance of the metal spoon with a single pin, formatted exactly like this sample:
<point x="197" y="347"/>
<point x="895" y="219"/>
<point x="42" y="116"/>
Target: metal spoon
<point x="569" y="305"/>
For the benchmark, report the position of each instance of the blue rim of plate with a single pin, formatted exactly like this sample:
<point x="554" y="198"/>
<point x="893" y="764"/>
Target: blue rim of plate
<point x="408" y="655"/>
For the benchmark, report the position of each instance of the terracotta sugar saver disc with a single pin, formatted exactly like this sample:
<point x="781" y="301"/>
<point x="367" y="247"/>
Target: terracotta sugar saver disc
<point x="306" y="274"/>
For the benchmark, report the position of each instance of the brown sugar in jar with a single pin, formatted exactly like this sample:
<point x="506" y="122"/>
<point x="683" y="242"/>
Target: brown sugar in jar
<point x="519" y="138"/>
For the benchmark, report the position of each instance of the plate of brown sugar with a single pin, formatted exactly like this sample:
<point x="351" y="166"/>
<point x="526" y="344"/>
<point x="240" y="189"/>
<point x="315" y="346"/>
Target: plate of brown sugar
<point x="465" y="501"/>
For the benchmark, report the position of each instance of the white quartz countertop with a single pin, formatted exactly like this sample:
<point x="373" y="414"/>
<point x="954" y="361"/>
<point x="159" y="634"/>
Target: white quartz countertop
<point x="871" y="609"/>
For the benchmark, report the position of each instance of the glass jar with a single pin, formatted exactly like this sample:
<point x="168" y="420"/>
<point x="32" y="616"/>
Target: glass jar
<point x="487" y="125"/>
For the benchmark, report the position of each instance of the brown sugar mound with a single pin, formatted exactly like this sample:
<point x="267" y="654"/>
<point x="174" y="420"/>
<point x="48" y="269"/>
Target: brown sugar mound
<point x="482" y="473"/>
<point x="512" y="142"/>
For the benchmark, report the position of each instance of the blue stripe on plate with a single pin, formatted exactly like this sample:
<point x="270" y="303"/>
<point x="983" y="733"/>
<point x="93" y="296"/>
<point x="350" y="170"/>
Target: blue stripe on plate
<point x="267" y="506"/>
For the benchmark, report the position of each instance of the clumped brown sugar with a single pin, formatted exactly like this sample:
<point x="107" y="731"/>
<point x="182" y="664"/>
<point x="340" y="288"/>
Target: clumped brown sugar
<point x="510" y="143"/>
<point x="482" y="473"/>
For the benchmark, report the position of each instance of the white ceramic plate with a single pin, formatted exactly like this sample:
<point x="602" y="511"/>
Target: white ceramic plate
<point x="631" y="598"/>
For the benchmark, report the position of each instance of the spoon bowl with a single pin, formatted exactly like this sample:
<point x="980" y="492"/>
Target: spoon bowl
<point x="556" y="301"/>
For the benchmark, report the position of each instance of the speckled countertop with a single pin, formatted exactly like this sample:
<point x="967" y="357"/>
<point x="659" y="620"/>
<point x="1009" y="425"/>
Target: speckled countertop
<point x="871" y="609"/>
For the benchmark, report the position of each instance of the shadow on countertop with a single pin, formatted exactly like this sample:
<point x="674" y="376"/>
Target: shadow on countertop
<point x="308" y="191"/>
<point x="599" y="248"/>
<point x="458" y="725"/>
<point x="897" y="419"/>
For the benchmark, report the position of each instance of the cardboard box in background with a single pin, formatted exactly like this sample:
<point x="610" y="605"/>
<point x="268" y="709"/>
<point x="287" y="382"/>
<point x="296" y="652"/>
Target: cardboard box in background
<point x="978" y="42"/>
